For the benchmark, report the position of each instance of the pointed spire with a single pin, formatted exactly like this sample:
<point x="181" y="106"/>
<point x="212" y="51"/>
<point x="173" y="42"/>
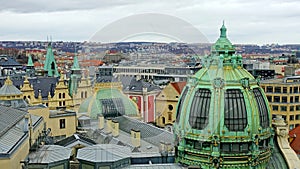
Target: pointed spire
<point x="50" y="64"/>
<point x="30" y="62"/>
<point x="75" y="65"/>
<point x="223" y="31"/>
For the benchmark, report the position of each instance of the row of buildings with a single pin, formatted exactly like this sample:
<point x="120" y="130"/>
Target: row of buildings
<point x="221" y="118"/>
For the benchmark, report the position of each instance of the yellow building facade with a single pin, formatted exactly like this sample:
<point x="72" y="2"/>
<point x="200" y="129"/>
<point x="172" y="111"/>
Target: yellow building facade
<point x="283" y="96"/>
<point x="166" y="103"/>
<point x="61" y="123"/>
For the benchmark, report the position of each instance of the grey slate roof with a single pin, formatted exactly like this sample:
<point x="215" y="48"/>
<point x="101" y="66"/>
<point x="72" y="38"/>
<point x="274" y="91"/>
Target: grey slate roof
<point x="12" y="133"/>
<point x="44" y="85"/>
<point x="133" y="85"/>
<point x="49" y="154"/>
<point x="9" y="117"/>
<point x="149" y="132"/>
<point x="106" y="79"/>
<point x="6" y="61"/>
<point x="18" y="103"/>
<point x="103" y="153"/>
<point x="11" y="129"/>
<point x="75" y="138"/>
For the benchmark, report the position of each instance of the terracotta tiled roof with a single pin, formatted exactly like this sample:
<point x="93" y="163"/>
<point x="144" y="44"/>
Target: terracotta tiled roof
<point x="295" y="136"/>
<point x="178" y="86"/>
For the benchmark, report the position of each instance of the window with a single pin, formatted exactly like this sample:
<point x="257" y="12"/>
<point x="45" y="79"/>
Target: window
<point x="284" y="89"/>
<point x="235" y="110"/>
<point x="291" y="108"/>
<point x="283" y="108"/>
<point x="170" y="107"/>
<point x="276" y="99"/>
<point x="296" y="99"/>
<point x="298" y="117"/>
<point x="283" y="99"/>
<point x="62" y="123"/>
<point x="200" y="109"/>
<point x="297" y="107"/>
<point x="277" y="89"/>
<point x="270" y="89"/>
<point x="59" y="95"/>
<point x="235" y="147"/>
<point x="63" y="95"/>
<point x="263" y="110"/>
<point x="112" y="107"/>
<point x="163" y="120"/>
<point x="180" y="103"/>
<point x="269" y="98"/>
<point x="296" y="89"/>
<point x="275" y="108"/>
<point x="292" y="117"/>
<point x="291" y="99"/>
<point x="170" y="116"/>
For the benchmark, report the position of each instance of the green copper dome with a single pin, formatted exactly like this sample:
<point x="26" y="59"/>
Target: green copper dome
<point x="108" y="102"/>
<point x="223" y="117"/>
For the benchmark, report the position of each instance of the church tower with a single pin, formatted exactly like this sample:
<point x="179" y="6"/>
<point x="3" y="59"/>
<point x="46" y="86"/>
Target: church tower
<point x="50" y="66"/>
<point x="30" y="71"/>
<point x="223" y="118"/>
<point x="75" y="77"/>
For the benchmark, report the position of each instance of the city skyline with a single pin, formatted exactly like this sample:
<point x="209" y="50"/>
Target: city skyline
<point x="250" y="22"/>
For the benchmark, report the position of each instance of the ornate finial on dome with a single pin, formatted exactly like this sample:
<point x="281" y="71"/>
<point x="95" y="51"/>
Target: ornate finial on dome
<point x="8" y="81"/>
<point x="223" y="30"/>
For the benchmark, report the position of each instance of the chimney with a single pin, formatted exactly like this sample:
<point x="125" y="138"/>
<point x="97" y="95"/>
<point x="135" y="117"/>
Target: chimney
<point x="101" y="122"/>
<point x="115" y="128"/>
<point x="135" y="137"/>
<point x="26" y="123"/>
<point x="108" y="125"/>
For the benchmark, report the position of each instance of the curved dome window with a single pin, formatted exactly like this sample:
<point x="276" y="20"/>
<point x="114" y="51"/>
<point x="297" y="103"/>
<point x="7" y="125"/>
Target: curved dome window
<point x="200" y="109"/>
<point x="263" y="110"/>
<point x="235" y="114"/>
<point x="112" y="107"/>
<point x="180" y="103"/>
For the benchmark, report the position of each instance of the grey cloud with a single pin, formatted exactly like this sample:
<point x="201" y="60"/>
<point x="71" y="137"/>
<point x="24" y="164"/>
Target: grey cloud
<point x="31" y="6"/>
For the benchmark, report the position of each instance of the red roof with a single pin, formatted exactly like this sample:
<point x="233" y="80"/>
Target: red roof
<point x="178" y="86"/>
<point x="295" y="137"/>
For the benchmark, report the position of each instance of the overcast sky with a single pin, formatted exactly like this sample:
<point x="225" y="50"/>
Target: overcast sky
<point x="255" y="21"/>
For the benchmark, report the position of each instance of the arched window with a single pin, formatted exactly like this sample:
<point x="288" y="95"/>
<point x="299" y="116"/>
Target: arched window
<point x="85" y="94"/>
<point x="64" y="95"/>
<point x="262" y="107"/>
<point x="200" y="109"/>
<point x="235" y="114"/>
<point x="170" y="116"/>
<point x="163" y="120"/>
<point x="59" y="95"/>
<point x="180" y="103"/>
